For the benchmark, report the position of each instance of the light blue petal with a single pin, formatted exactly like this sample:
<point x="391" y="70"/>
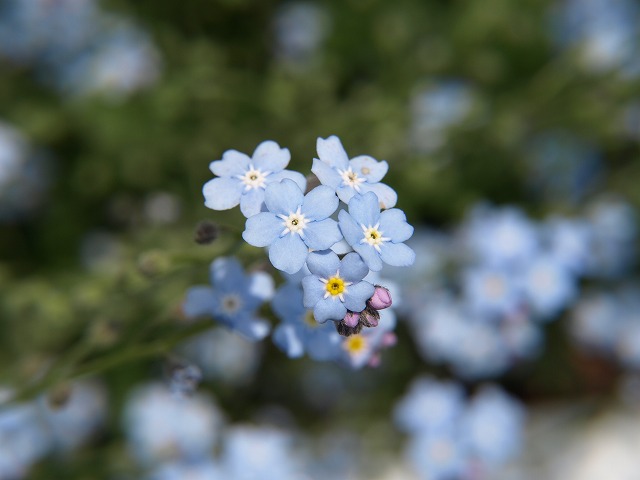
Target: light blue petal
<point x="356" y="296"/>
<point x="251" y="202"/>
<point x="353" y="268"/>
<point x="284" y="197"/>
<point x="350" y="229"/>
<point x="369" y="168"/>
<point x="262" y="229"/>
<point x="387" y="196"/>
<point x="330" y="308"/>
<point x="232" y="163"/>
<point x="252" y="328"/>
<point x="324" y="346"/>
<point x="364" y="209"/>
<point x="345" y="192"/>
<point x="320" y="203"/>
<point x="341" y="247"/>
<point x="222" y="193"/>
<point x="313" y="290"/>
<point x="261" y="286"/>
<point x="397" y="254"/>
<point x="370" y="256"/>
<point x="326" y="174"/>
<point x="393" y="224"/>
<point x="288" y="339"/>
<point x="269" y="157"/>
<point x="227" y="274"/>
<point x="287" y="303"/>
<point x="323" y="263"/>
<point x="322" y="235"/>
<point x="297" y="177"/>
<point x="331" y="152"/>
<point x="199" y="300"/>
<point x="288" y="253"/>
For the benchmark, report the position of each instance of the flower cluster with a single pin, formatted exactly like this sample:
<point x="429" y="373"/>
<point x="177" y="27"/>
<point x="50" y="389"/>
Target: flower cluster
<point x="325" y="241"/>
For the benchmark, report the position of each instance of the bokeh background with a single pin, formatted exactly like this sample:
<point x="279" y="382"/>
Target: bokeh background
<point x="512" y="133"/>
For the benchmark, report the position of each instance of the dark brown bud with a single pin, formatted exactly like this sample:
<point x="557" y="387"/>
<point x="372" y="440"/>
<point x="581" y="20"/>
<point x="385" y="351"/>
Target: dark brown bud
<point x="206" y="232"/>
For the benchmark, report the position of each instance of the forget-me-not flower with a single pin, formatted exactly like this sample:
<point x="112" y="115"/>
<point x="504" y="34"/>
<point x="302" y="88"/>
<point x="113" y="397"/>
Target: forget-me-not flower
<point x="359" y="175"/>
<point x="233" y="299"/>
<point x="335" y="285"/>
<point x="376" y="236"/>
<point x="242" y="180"/>
<point x="299" y="331"/>
<point x="294" y="224"/>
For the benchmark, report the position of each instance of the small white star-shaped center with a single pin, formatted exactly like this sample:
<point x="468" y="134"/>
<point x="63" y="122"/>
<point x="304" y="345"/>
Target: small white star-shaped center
<point x="351" y="178"/>
<point x="253" y="178"/>
<point x="294" y="223"/>
<point x="373" y="236"/>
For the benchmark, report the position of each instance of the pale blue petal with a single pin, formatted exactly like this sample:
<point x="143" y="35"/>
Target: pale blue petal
<point x="227" y="274"/>
<point x="284" y="197"/>
<point x="370" y="256"/>
<point x="369" y="168"/>
<point x="261" y="286"/>
<point x="345" y="192"/>
<point x="341" y="247"/>
<point x="332" y="152"/>
<point x="222" y="193"/>
<point x="269" y="157"/>
<point x="297" y="177"/>
<point x="397" y="254"/>
<point x="251" y="202"/>
<point x="327" y="175"/>
<point x="262" y="229"/>
<point x="320" y="203"/>
<point x="313" y="291"/>
<point x="252" y="328"/>
<point x="350" y="229"/>
<point x="287" y="303"/>
<point x="289" y="340"/>
<point x="356" y="296"/>
<point x="199" y="300"/>
<point x="393" y="224"/>
<point x="329" y="309"/>
<point x="353" y="268"/>
<point x="364" y="209"/>
<point x="324" y="263"/>
<point x="324" y="346"/>
<point x="322" y="235"/>
<point x="387" y="196"/>
<point x="288" y="253"/>
<point x="232" y="163"/>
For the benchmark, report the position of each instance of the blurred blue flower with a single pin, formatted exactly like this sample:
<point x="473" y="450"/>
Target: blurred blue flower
<point x="364" y="349"/>
<point x="294" y="224"/>
<point x="300" y="28"/>
<point x="376" y="236"/>
<point x="491" y="292"/>
<point x="438" y="455"/>
<point x="299" y="332"/>
<point x="242" y="180"/>
<point x="162" y="426"/>
<point x="233" y="299"/>
<point x="200" y="470"/>
<point x="335" y="285"/>
<point x="346" y="177"/>
<point x="569" y="242"/>
<point x="548" y="286"/>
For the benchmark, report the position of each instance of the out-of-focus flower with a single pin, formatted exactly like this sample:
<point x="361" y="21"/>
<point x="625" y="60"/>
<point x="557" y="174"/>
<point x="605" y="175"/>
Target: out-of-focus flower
<point x="377" y="237"/>
<point x="201" y="470"/>
<point x="364" y="348"/>
<point x="347" y="178"/>
<point x="437" y="455"/>
<point x="242" y="179"/>
<point x="491" y="292"/>
<point x="335" y="285"/>
<point x="294" y="224"/>
<point x="548" y="286"/>
<point x="299" y="28"/>
<point x="233" y="299"/>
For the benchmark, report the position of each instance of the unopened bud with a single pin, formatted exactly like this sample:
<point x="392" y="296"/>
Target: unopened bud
<point x="369" y="317"/>
<point x="381" y="298"/>
<point x="345" y="330"/>
<point x="206" y="232"/>
<point x="351" y="319"/>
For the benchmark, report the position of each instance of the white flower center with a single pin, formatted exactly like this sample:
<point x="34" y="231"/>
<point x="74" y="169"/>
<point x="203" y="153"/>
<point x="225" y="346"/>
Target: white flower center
<point x="231" y="303"/>
<point x="351" y="178"/>
<point x="373" y="236"/>
<point x="253" y="178"/>
<point x="294" y="223"/>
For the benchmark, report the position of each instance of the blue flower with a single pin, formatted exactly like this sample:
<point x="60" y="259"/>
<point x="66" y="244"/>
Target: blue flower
<point x="349" y="177"/>
<point x="234" y="298"/>
<point x="335" y="285"/>
<point x="294" y="224"/>
<point x="242" y="180"/>
<point x="299" y="331"/>
<point x="376" y="236"/>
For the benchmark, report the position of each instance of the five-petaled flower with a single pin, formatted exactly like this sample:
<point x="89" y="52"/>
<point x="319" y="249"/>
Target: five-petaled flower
<point x="335" y="285"/>
<point x="359" y="175"/>
<point x="242" y="180"/>
<point x="294" y="224"/>
<point x="376" y="236"/>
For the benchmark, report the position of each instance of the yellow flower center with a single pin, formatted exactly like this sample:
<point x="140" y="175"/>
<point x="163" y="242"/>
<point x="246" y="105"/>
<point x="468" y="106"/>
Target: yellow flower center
<point x="355" y="344"/>
<point x="335" y="286"/>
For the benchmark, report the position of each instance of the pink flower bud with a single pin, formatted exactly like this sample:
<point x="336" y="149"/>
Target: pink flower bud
<point x="381" y="298"/>
<point x="351" y="319"/>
